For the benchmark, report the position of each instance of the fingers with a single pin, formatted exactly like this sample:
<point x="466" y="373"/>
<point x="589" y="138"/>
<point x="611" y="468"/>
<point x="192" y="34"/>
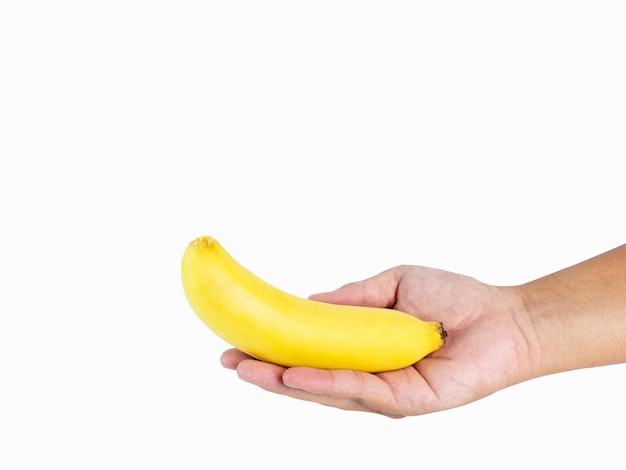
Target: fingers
<point x="377" y="291"/>
<point x="262" y="374"/>
<point x="232" y="357"/>
<point x="343" y="389"/>
<point x="313" y="385"/>
<point x="361" y="390"/>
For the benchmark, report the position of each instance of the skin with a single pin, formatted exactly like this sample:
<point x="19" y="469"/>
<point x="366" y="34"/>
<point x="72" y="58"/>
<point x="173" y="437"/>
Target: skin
<point x="497" y="337"/>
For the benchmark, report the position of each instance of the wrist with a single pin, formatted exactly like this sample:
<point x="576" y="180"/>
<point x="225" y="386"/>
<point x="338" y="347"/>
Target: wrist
<point x="545" y="331"/>
<point x="532" y="362"/>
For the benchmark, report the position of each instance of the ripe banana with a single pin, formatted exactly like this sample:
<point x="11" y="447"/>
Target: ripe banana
<point x="274" y="326"/>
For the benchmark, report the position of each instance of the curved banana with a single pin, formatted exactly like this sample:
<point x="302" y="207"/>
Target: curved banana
<point x="274" y="326"/>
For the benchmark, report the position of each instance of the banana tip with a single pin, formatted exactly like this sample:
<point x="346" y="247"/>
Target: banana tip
<point x="203" y="241"/>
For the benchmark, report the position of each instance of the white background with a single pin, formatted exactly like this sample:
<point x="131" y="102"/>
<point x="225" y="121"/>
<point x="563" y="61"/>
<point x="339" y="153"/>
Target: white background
<point x="320" y="142"/>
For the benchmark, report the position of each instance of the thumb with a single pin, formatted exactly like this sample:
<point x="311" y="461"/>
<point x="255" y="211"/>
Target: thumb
<point x="376" y="291"/>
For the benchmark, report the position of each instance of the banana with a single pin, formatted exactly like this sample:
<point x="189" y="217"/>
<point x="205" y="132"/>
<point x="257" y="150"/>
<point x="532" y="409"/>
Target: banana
<point x="274" y="326"/>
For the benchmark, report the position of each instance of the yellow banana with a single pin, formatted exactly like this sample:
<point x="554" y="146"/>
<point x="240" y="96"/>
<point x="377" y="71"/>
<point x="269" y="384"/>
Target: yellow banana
<point x="274" y="326"/>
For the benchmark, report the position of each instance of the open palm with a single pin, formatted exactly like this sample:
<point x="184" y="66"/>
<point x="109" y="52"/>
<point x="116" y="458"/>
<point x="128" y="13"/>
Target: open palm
<point x="487" y="347"/>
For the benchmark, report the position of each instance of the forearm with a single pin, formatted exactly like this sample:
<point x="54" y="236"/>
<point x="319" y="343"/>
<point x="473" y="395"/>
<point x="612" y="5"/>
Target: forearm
<point x="578" y="315"/>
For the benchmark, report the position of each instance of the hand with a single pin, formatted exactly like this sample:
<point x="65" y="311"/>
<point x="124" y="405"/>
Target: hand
<point x="487" y="348"/>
